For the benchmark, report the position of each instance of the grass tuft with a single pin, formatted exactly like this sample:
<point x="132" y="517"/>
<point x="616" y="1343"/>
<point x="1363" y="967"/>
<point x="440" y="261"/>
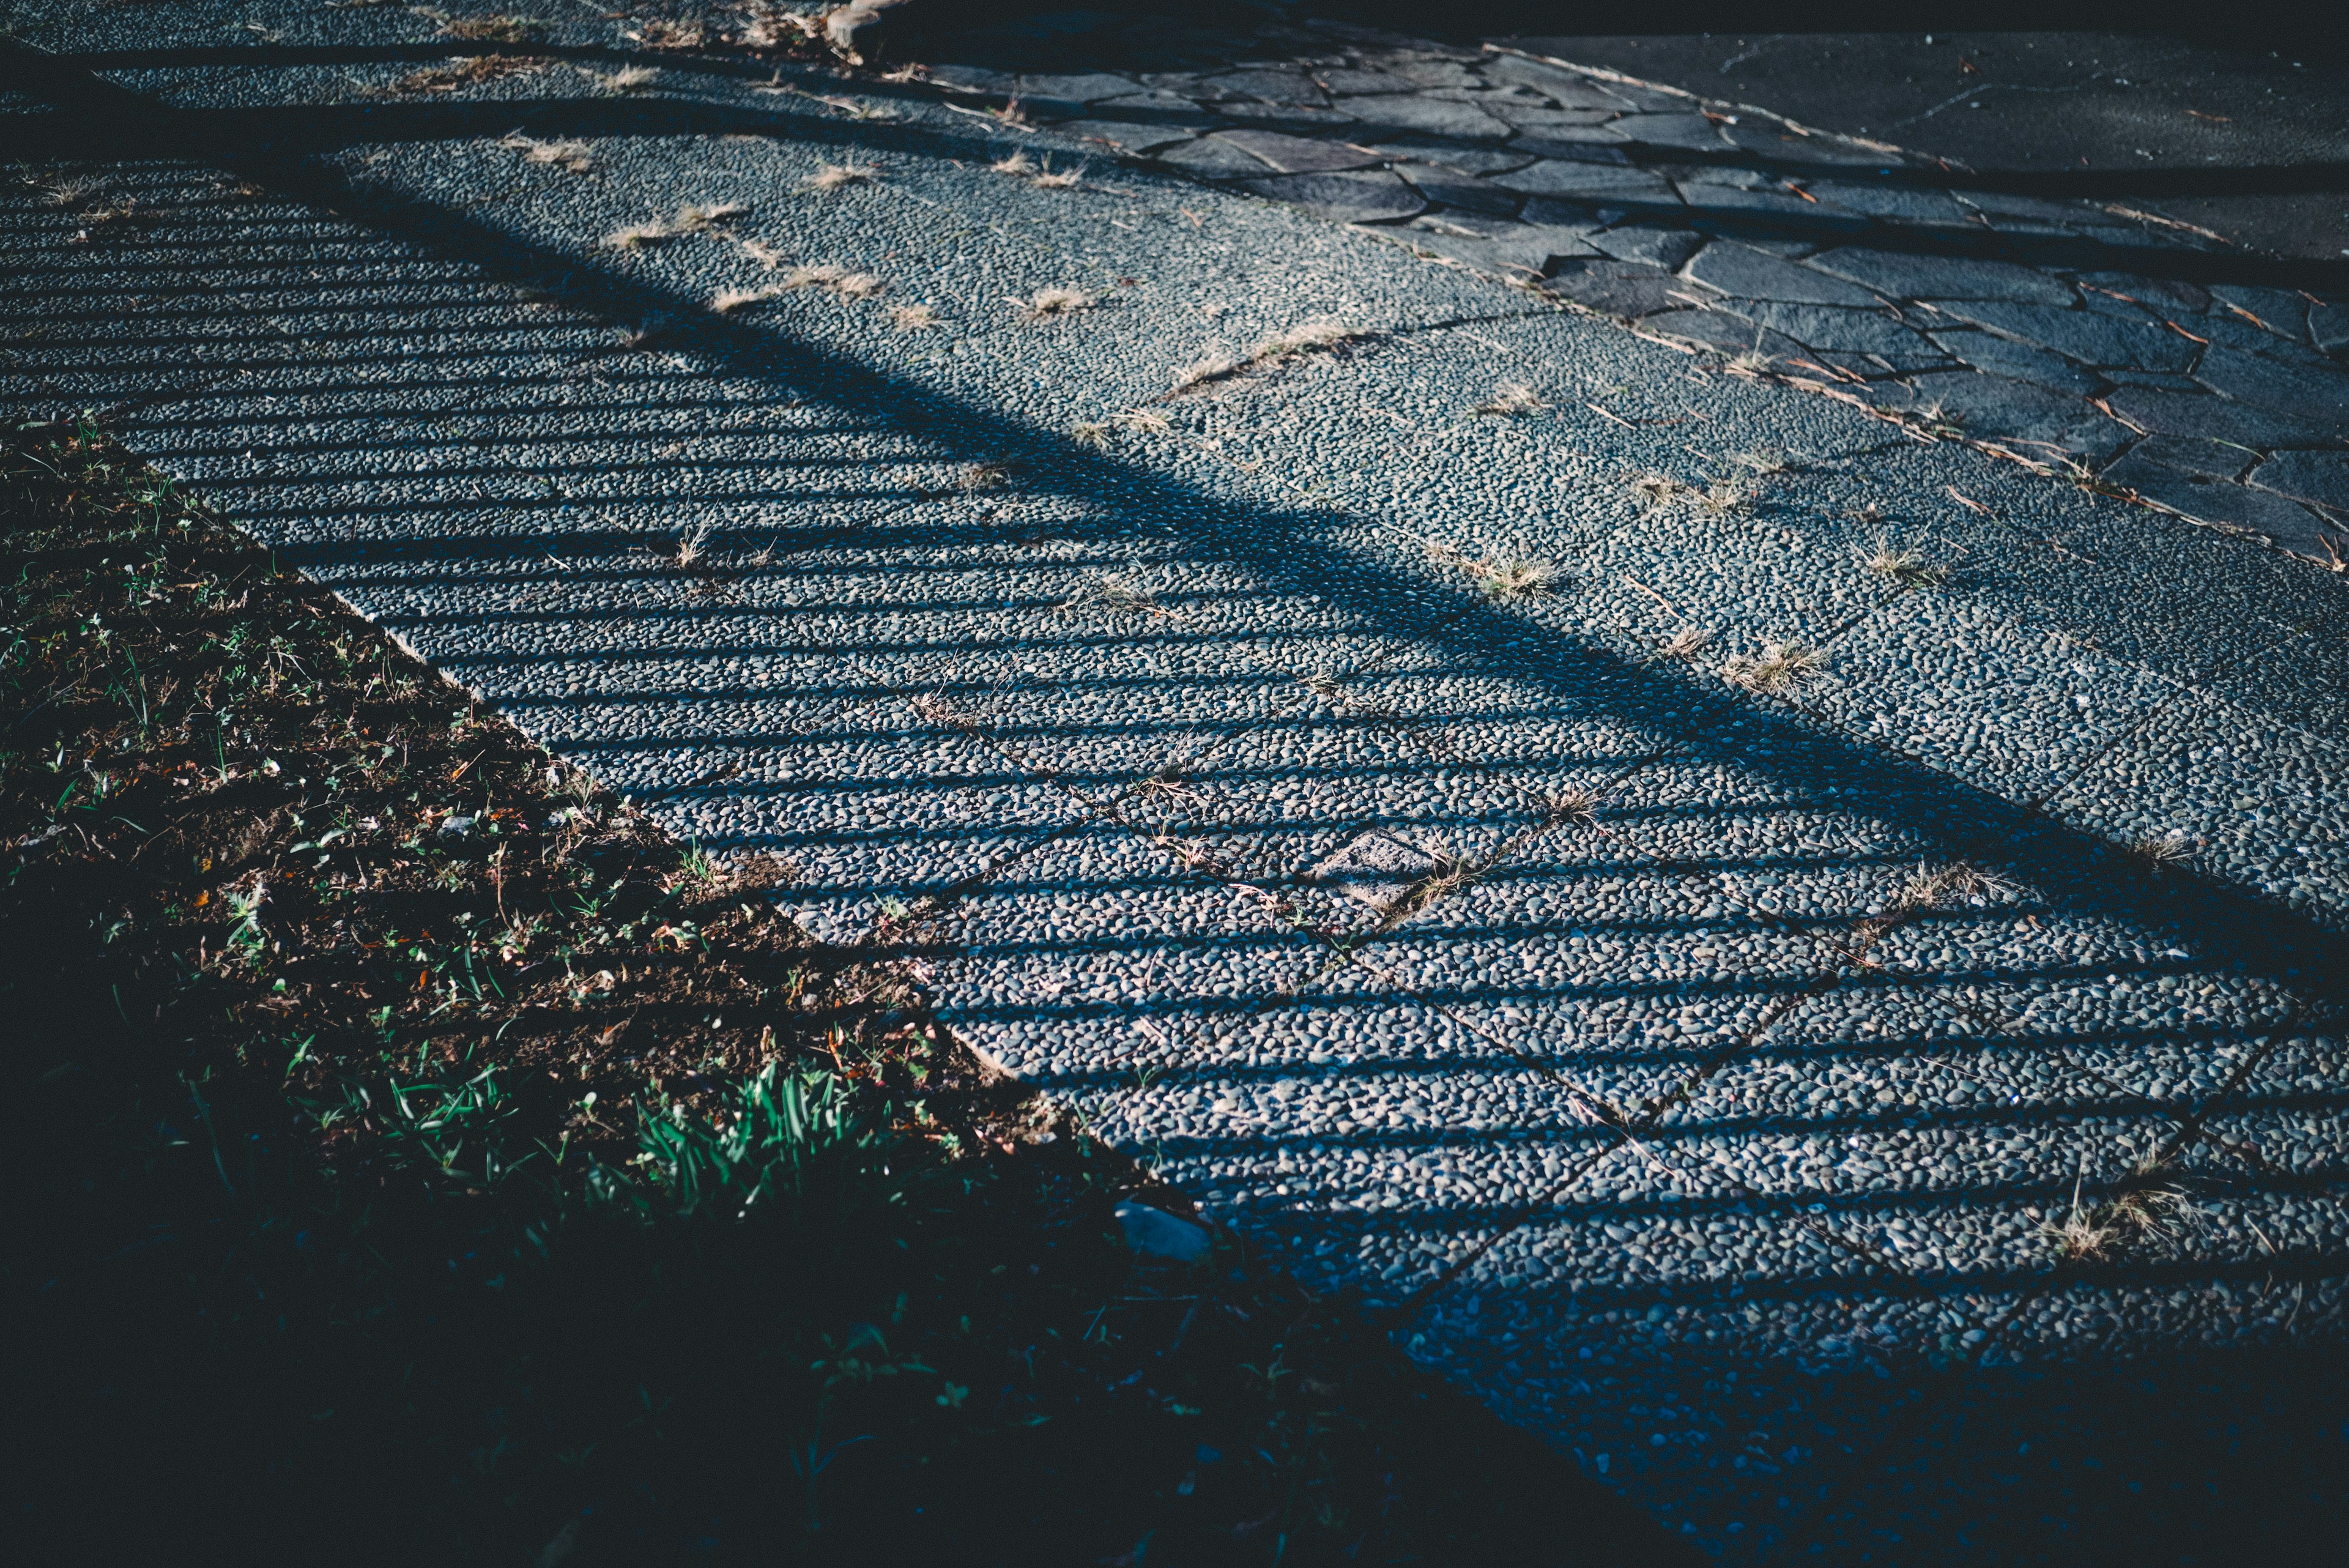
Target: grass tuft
<point x="626" y="80"/>
<point x="1049" y="304"/>
<point x="914" y="318"/>
<point x="636" y="236"/>
<point x="2163" y="853"/>
<point x="1686" y="643"/>
<point x="1212" y="366"/>
<point x="1782" y="668"/>
<point x="566" y="153"/>
<point x="1909" y="568"/>
<point x="1511" y="400"/>
<point x="1313" y="337"/>
<point x="705" y="217"/>
<point x="493" y="30"/>
<point x="838" y="176"/>
<point x="1939" y="886"/>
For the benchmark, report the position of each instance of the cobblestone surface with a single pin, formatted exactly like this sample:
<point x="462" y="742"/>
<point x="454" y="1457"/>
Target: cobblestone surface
<point x="1674" y="888"/>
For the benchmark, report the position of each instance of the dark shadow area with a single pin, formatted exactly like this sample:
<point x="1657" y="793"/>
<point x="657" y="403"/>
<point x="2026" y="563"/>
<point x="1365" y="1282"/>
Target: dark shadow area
<point x="2233" y="933"/>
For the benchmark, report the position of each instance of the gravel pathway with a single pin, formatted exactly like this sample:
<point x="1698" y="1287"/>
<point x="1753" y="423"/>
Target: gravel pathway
<point x="1796" y="957"/>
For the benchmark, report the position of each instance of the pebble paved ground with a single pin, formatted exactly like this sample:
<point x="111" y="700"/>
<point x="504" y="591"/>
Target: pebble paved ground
<point x="1796" y="952"/>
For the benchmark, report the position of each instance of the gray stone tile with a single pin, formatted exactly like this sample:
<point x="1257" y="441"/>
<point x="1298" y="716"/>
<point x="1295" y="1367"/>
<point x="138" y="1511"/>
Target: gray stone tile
<point x="1501" y="248"/>
<point x="1619" y="288"/>
<point x="1569" y="89"/>
<point x="1668" y="248"/>
<point x="2162" y="411"/>
<point x="1366" y="196"/>
<point x="1780" y="144"/>
<point x="1083" y="87"/>
<point x="2090" y="337"/>
<point x="2328" y="327"/>
<point x="2322" y="477"/>
<point x="1263" y="84"/>
<point x="2038" y="421"/>
<point x="1126" y="136"/>
<point x="2283" y="312"/>
<point x="1875" y="333"/>
<point x="2190" y="455"/>
<point x="2319" y="397"/>
<point x="1901" y="275"/>
<point x="2207" y="500"/>
<point x="1691" y="131"/>
<point x="1729" y="204"/>
<point x="1927" y="209"/>
<point x="1449" y="188"/>
<point x="1594" y="182"/>
<point x="1298" y="154"/>
<point x="2004" y="356"/>
<point x="1212" y="157"/>
<point x="1729" y="334"/>
<point x="1745" y="272"/>
<point x="1453" y="155"/>
<point x="1410" y="113"/>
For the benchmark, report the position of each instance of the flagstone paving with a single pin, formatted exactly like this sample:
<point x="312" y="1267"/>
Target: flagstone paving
<point x="1446" y="786"/>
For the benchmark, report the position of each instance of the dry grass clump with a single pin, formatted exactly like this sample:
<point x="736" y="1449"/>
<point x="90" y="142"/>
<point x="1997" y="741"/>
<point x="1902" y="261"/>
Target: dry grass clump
<point x="1309" y="338"/>
<point x="1578" y="806"/>
<point x="1449" y="875"/>
<point x="1514" y="576"/>
<point x="1513" y="399"/>
<point x="2146" y="1207"/>
<point x="1212" y="366"/>
<point x="701" y="217"/>
<point x="1088" y="432"/>
<point x="914" y="318"/>
<point x="637" y="235"/>
<point x="1046" y="304"/>
<point x="627" y="79"/>
<point x="1782" y="667"/>
<point x="726" y="301"/>
<point x="471" y="71"/>
<point x="1909" y="568"/>
<point x="492" y="29"/>
<point x="1660" y="491"/>
<point x="1149" y="421"/>
<point x="1018" y="166"/>
<point x="1114" y="593"/>
<point x="1715" y="498"/>
<point x="979" y="476"/>
<point x="1767" y="462"/>
<point x="768" y="27"/>
<point x="1933" y="887"/>
<point x="661" y="34"/>
<point x="1051" y="179"/>
<point x="70" y="195"/>
<point x="1946" y="423"/>
<point x="838" y="176"/>
<point x="1504" y="577"/>
<point x="1686" y="643"/>
<point x="567" y="153"/>
<point x="2164" y="853"/>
